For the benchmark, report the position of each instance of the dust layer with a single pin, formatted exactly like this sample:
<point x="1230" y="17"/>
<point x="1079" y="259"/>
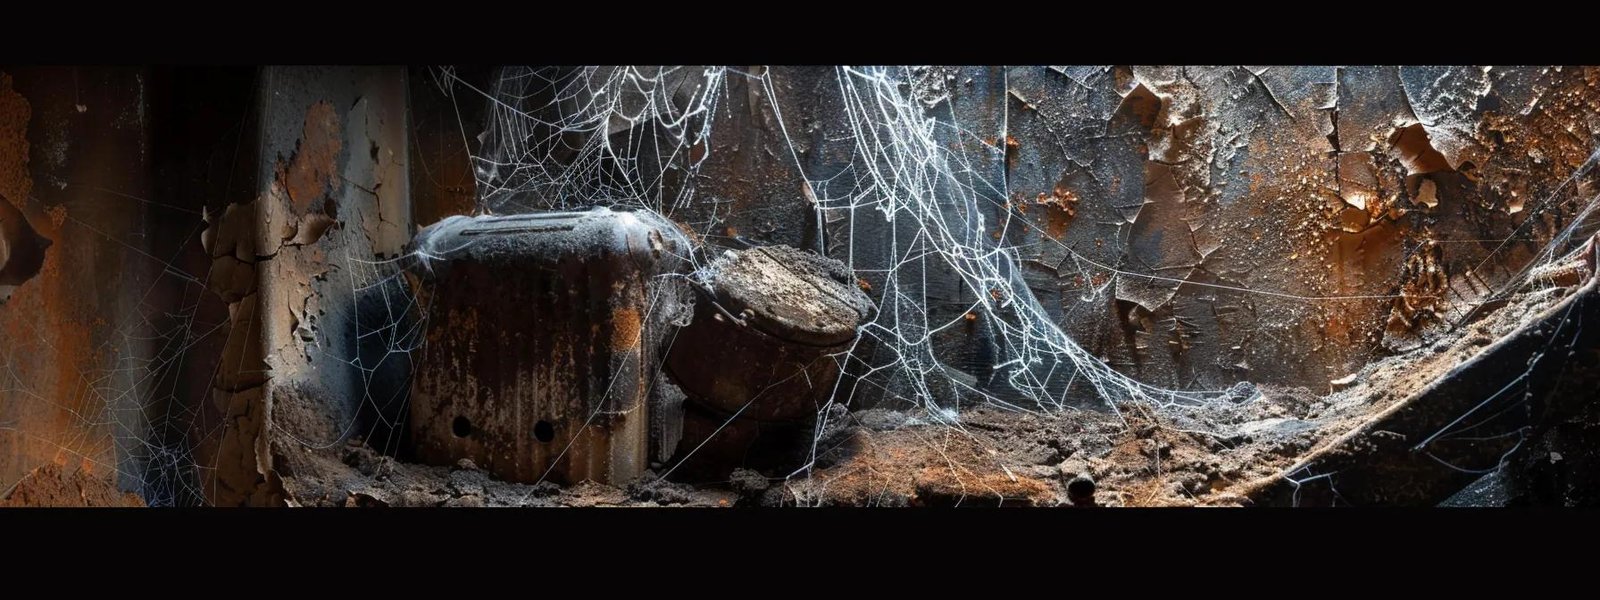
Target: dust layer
<point x="1138" y="456"/>
<point x="1206" y="456"/>
<point x="57" y="485"/>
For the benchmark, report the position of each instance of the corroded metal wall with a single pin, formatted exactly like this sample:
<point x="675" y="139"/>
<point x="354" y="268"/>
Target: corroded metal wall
<point x="111" y="348"/>
<point x="447" y="114"/>
<point x="333" y="200"/>
<point x="74" y="167"/>
<point x="1306" y="186"/>
<point x="1197" y="226"/>
<point x="1281" y="224"/>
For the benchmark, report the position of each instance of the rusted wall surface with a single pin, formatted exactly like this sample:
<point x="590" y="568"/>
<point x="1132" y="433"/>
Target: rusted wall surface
<point x="74" y="164"/>
<point x="446" y="118"/>
<point x="1280" y="210"/>
<point x="1263" y="219"/>
<point x="333" y="202"/>
<point x="1298" y="184"/>
<point x="749" y="189"/>
<point x="110" y="350"/>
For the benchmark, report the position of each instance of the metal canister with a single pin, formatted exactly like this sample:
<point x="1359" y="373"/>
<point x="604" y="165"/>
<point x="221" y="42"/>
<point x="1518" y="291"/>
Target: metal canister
<point x="543" y="337"/>
<point x="771" y="329"/>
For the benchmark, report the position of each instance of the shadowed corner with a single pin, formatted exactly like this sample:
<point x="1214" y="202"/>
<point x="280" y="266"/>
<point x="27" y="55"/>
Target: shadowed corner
<point x="21" y="249"/>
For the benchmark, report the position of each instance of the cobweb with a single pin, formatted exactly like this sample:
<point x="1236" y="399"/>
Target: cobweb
<point x="637" y="138"/>
<point x="624" y="135"/>
<point x="127" y="420"/>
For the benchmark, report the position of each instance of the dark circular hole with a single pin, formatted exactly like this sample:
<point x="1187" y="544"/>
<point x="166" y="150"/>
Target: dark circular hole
<point x="1081" y="487"/>
<point x="462" y="426"/>
<point x="544" y="431"/>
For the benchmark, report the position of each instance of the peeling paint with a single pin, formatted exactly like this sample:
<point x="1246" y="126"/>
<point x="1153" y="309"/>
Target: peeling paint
<point x="310" y="173"/>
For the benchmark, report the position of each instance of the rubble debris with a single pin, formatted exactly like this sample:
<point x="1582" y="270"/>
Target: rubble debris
<point x="750" y="485"/>
<point x="1269" y="200"/>
<point x="60" y="485"/>
<point x="650" y="488"/>
<point x="1407" y="455"/>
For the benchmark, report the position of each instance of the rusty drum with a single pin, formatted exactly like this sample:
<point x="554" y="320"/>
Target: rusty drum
<point x="543" y="336"/>
<point x="771" y="328"/>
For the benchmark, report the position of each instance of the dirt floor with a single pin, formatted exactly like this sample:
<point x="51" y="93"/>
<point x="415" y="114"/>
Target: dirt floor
<point x="1136" y="456"/>
<point x="64" y="485"/>
<point x="1210" y="456"/>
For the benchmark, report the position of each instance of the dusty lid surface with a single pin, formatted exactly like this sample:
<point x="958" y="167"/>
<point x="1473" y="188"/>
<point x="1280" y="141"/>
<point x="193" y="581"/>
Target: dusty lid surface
<point x="544" y="236"/>
<point x="792" y="294"/>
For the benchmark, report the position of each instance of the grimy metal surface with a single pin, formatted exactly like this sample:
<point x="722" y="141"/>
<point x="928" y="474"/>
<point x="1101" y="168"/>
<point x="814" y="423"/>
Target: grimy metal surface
<point x="74" y="148"/>
<point x="330" y="182"/>
<point x="1400" y="458"/>
<point x="764" y="349"/>
<point x="543" y="336"/>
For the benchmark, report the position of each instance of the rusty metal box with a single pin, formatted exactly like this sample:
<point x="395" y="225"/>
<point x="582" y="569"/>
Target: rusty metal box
<point x="542" y="340"/>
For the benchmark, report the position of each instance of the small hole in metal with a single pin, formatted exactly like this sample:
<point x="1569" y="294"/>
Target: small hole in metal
<point x="462" y="427"/>
<point x="544" y="431"/>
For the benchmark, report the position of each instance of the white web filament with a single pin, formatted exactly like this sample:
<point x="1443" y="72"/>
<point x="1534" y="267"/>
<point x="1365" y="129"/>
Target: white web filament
<point x="636" y="138"/>
<point x="581" y="147"/>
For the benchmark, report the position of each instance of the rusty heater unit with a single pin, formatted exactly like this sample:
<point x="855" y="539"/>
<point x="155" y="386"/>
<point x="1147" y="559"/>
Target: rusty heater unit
<point x="547" y="335"/>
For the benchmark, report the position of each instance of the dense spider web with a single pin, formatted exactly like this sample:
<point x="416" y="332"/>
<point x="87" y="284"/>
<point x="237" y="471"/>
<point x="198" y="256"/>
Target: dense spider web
<point x="900" y="172"/>
<point x="637" y="138"/>
<point x="128" y="420"/>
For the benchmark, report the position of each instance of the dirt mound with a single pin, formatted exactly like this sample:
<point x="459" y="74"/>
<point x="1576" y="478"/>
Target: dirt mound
<point x="53" y="486"/>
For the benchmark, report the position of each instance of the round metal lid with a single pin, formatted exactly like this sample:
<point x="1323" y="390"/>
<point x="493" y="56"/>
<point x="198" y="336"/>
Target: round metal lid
<point x="791" y="294"/>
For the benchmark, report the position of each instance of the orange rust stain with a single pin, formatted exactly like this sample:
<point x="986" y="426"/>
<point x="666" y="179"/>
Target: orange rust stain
<point x="52" y="352"/>
<point x="15" y="183"/>
<point x="862" y="283"/>
<point x="1061" y="207"/>
<point x="625" y="329"/>
<point x="1057" y="221"/>
<point x="315" y="162"/>
<point x="46" y="328"/>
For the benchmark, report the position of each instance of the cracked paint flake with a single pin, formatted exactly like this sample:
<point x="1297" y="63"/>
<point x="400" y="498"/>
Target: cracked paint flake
<point x="1259" y="153"/>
